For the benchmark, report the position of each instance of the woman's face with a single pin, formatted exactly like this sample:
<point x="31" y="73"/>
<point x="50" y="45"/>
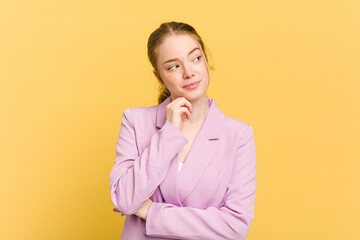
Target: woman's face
<point x="181" y="61"/>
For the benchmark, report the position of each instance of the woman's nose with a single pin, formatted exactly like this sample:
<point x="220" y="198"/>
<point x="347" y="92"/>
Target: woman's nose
<point x="188" y="71"/>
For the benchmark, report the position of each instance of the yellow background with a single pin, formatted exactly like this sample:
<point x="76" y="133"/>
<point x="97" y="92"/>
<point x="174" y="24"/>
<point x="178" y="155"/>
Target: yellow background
<point x="68" y="69"/>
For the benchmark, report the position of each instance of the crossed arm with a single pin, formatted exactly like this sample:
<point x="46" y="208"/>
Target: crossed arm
<point x="134" y="179"/>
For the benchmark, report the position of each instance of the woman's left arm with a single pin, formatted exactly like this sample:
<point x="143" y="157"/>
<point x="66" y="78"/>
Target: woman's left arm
<point x="229" y="221"/>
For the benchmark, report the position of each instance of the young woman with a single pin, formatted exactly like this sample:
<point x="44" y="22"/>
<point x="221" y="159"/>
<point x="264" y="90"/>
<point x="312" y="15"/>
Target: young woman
<point x="183" y="170"/>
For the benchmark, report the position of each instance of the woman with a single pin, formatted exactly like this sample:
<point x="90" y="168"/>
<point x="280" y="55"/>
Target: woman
<point x="183" y="170"/>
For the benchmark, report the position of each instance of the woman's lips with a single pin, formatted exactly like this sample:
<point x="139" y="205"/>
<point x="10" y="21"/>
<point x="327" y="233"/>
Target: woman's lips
<point x="192" y="85"/>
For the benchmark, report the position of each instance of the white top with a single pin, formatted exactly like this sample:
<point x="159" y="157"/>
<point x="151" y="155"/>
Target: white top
<point x="180" y="166"/>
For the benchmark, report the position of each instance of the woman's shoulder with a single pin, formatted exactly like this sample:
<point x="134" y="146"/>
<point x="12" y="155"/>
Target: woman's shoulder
<point x="237" y="126"/>
<point x="138" y="113"/>
<point x="232" y="122"/>
<point x="141" y="110"/>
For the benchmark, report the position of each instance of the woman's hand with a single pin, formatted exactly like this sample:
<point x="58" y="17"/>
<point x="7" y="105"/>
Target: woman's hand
<point x="116" y="210"/>
<point x="176" y="110"/>
<point x="141" y="212"/>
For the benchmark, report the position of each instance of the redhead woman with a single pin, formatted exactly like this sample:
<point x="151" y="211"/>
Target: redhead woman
<point x="183" y="170"/>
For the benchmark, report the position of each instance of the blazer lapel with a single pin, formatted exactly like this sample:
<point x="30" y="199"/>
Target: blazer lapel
<point x="177" y="187"/>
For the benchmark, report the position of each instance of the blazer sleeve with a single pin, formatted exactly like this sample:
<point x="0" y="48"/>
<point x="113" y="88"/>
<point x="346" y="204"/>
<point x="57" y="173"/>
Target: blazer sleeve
<point x="229" y="221"/>
<point x="134" y="177"/>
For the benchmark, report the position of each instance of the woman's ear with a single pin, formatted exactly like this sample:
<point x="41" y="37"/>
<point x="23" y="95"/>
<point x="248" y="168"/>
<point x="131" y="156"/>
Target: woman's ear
<point x="157" y="77"/>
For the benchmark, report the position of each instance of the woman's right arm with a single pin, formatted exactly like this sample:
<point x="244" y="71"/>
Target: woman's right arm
<point x="134" y="177"/>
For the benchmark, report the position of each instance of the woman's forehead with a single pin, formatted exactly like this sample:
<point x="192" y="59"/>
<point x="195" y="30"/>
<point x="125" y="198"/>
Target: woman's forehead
<point x="177" y="45"/>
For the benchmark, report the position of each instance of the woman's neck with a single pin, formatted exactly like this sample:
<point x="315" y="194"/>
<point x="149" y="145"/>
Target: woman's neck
<point x="200" y="109"/>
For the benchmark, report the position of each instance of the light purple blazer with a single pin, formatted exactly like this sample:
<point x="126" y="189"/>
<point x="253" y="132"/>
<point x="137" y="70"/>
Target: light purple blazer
<point x="212" y="197"/>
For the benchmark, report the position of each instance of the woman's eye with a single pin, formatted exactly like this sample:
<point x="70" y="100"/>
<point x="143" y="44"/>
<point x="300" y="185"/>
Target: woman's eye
<point x="171" y="67"/>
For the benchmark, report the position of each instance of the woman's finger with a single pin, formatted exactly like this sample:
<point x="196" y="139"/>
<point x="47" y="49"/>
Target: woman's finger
<point x="115" y="210"/>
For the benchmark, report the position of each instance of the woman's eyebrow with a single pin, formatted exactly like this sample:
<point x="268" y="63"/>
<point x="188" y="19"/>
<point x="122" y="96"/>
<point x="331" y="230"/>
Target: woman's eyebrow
<point x="173" y="59"/>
